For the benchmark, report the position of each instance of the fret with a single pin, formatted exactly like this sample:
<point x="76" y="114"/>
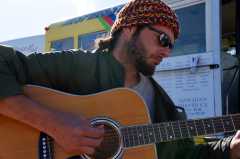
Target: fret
<point x="157" y="133"/>
<point x="200" y="127"/>
<point x="218" y="125"/>
<point x="140" y="135"/>
<point x="180" y="129"/>
<point x="125" y="137"/>
<point x="233" y="123"/>
<point x="137" y="135"/>
<point x="192" y="128"/>
<point x="227" y="123"/>
<point x="160" y="133"/>
<point x="176" y="129"/>
<point x="184" y="129"/>
<point x="145" y="134"/>
<point x="170" y="134"/>
<point x="236" y="120"/>
<point x="154" y="135"/>
<point x="151" y="134"/>
<point x="163" y="131"/>
<point x="208" y="125"/>
<point x="130" y="137"/>
<point x="134" y="134"/>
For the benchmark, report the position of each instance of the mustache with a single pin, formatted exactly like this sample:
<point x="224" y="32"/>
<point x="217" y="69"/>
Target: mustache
<point x="157" y="57"/>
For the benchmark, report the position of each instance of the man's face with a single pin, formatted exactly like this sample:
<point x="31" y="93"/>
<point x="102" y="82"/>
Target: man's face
<point x="149" y="47"/>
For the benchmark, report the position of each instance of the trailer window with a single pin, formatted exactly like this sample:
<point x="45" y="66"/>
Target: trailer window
<point x="87" y="41"/>
<point x="192" y="37"/>
<point x="63" y="44"/>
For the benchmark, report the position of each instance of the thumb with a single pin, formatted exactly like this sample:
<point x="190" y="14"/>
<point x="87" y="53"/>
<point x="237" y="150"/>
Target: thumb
<point x="237" y="135"/>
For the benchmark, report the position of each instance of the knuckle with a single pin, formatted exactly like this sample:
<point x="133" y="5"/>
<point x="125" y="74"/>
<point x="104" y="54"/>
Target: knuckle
<point x="90" y="151"/>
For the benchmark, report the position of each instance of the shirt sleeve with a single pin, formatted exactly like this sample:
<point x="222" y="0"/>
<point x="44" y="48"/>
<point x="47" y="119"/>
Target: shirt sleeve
<point x="68" y="71"/>
<point x="9" y="85"/>
<point x="217" y="149"/>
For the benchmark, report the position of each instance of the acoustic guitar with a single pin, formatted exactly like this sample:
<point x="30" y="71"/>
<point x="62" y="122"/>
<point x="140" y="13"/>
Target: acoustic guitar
<point x="129" y="133"/>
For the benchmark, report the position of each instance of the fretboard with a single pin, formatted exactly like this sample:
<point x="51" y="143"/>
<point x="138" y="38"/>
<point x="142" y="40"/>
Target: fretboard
<point x="167" y="131"/>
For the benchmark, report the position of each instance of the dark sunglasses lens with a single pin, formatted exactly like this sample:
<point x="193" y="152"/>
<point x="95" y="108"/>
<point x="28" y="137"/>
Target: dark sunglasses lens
<point x="165" y="41"/>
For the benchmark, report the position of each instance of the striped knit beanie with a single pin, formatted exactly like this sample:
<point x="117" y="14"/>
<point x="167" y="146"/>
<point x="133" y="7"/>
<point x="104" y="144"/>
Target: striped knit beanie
<point x="146" y="12"/>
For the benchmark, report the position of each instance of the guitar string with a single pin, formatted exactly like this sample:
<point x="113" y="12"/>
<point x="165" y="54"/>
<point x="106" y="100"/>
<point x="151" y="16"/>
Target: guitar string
<point x="136" y="140"/>
<point x="111" y="132"/>
<point x="175" y="127"/>
<point x="110" y="143"/>
<point x="135" y="135"/>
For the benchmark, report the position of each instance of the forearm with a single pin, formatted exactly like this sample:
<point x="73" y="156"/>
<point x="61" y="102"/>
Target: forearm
<point x="73" y="133"/>
<point x="25" y="110"/>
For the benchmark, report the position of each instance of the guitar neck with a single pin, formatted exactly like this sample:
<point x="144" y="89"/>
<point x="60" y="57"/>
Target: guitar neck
<point x="168" y="131"/>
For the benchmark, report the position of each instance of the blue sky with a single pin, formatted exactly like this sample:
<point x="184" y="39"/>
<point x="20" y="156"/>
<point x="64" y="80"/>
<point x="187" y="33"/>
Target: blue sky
<point x="22" y="18"/>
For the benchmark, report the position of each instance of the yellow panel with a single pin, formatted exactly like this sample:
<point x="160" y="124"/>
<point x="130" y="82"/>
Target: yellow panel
<point x="62" y="32"/>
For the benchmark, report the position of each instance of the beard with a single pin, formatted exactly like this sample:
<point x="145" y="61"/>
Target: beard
<point x="137" y="53"/>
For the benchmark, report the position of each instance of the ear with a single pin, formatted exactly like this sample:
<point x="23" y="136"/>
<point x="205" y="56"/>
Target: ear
<point x="128" y="32"/>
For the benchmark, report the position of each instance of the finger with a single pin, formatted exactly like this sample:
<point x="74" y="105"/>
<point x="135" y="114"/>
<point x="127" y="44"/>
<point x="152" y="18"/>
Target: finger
<point x="100" y="126"/>
<point x="85" y="150"/>
<point x="90" y="142"/>
<point x="237" y="134"/>
<point x="93" y="132"/>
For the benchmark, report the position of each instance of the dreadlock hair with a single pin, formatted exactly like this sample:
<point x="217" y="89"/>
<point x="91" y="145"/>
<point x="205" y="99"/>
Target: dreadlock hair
<point x="109" y="42"/>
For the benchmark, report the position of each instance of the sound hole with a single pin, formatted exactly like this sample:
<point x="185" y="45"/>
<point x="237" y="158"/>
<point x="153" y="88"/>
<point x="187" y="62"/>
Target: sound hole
<point x="110" y="144"/>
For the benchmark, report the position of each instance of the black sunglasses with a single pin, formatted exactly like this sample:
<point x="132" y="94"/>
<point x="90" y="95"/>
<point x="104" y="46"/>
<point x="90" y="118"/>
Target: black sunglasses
<point x="163" y="38"/>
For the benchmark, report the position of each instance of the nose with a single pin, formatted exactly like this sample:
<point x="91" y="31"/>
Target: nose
<point x="164" y="52"/>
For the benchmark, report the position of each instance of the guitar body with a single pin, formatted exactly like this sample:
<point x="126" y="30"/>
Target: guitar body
<point x="19" y="141"/>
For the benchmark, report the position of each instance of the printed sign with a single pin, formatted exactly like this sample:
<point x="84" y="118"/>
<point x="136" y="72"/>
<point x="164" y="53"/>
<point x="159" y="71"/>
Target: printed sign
<point x="189" y="82"/>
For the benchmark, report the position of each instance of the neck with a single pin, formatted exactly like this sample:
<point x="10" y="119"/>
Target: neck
<point x="131" y="79"/>
<point x="131" y="74"/>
